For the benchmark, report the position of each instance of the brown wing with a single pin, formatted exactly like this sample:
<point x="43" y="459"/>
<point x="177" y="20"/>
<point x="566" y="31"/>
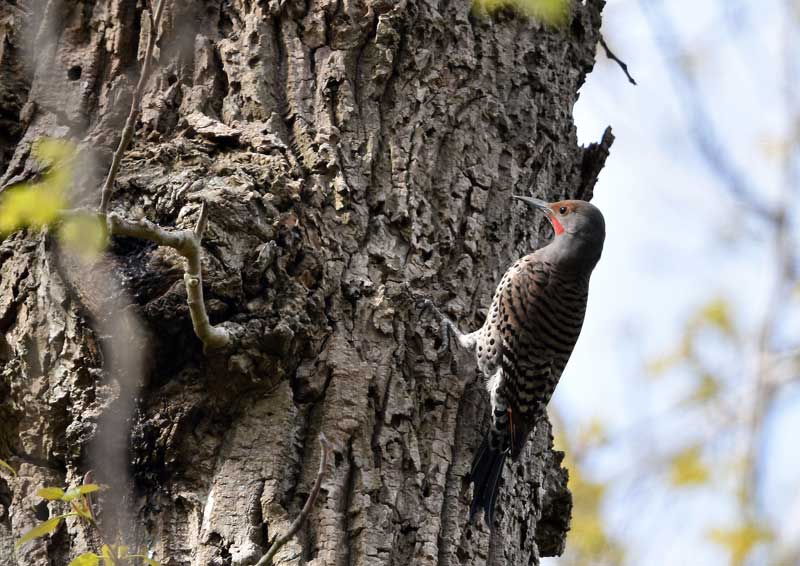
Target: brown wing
<point x="540" y="313"/>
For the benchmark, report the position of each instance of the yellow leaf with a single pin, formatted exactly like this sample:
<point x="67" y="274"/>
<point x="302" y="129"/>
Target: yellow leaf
<point x="54" y="152"/>
<point x="82" y="511"/>
<point x="662" y="364"/>
<point x="740" y="541"/>
<point x="30" y="205"/>
<point x="108" y="556"/>
<point x="87" y="559"/>
<point x="39" y="204"/>
<point x="76" y="492"/>
<point x="490" y="6"/>
<point x="122" y="551"/>
<point x="687" y="468"/>
<point x="552" y="12"/>
<point x="85" y="234"/>
<point x="590" y="539"/>
<point x="717" y="313"/>
<point x="706" y="390"/>
<point x="145" y="559"/>
<point x="51" y="493"/>
<point x="4" y="464"/>
<point x="39" y="531"/>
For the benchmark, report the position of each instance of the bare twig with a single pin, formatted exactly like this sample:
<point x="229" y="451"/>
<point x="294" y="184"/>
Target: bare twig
<point x="767" y="382"/>
<point x="301" y="518"/>
<point x="186" y="243"/>
<point x="617" y="60"/>
<point x="701" y="125"/>
<point x="130" y="123"/>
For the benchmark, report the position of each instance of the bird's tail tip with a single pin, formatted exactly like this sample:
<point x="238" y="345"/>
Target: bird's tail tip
<point x="487" y="467"/>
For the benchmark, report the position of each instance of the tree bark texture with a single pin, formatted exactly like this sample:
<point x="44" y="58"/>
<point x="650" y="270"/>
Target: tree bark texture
<point x="353" y="154"/>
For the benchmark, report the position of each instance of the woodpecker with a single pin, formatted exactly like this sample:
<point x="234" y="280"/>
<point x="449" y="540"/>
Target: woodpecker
<point x="533" y="324"/>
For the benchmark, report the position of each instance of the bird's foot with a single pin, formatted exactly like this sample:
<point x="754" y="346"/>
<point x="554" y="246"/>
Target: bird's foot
<point x="424" y="304"/>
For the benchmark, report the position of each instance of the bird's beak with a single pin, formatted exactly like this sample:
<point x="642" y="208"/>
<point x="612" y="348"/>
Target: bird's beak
<point x="558" y="228"/>
<point x="536" y="203"/>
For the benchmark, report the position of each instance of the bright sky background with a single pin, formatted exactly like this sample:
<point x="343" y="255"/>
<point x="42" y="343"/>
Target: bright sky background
<point x="671" y="247"/>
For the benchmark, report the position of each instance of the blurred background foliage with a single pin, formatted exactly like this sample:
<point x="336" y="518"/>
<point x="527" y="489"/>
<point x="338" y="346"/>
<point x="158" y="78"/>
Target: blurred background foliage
<point x="43" y="203"/>
<point x="552" y="12"/>
<point x="680" y="409"/>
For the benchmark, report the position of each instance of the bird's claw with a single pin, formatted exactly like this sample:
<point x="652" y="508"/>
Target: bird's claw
<point x="425" y="304"/>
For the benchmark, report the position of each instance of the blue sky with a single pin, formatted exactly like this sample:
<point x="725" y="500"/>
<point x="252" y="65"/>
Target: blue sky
<point x="676" y="239"/>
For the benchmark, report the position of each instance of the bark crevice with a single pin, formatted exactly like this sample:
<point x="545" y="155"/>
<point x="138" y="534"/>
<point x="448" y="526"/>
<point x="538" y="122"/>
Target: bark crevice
<point x="348" y="152"/>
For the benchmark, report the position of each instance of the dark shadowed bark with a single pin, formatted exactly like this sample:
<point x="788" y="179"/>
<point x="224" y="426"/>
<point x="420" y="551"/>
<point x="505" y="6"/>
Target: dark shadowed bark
<point x="352" y="155"/>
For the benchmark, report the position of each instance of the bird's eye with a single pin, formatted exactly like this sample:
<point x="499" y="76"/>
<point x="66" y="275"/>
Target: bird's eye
<point x="562" y="210"/>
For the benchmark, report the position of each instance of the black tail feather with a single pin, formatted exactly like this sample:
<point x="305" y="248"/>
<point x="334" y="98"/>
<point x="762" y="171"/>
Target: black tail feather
<point x="487" y="467"/>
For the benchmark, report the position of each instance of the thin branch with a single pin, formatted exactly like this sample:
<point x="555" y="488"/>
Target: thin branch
<point x="301" y="518"/>
<point x="130" y="123"/>
<point x="718" y="159"/>
<point x="785" y="278"/>
<point x="617" y="60"/>
<point x="186" y="243"/>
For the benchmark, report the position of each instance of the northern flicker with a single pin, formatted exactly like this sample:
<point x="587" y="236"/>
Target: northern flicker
<point x="528" y="336"/>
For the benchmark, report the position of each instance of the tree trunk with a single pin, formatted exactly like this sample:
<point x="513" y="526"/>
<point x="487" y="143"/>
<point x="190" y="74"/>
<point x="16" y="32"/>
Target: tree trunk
<point x="353" y="155"/>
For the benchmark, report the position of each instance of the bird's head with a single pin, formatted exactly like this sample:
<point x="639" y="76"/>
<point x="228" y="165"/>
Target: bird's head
<point x="579" y="229"/>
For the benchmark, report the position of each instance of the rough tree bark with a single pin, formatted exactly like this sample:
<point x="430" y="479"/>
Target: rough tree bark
<point x="352" y="154"/>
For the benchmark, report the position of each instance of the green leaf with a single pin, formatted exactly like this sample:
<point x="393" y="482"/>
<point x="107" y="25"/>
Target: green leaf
<point x="87" y="559"/>
<point x="151" y="562"/>
<point x="84" y="234"/>
<point x="43" y="529"/>
<point x="687" y="468"/>
<point x="76" y="492"/>
<point x="4" y="464"/>
<point x="51" y="493"/>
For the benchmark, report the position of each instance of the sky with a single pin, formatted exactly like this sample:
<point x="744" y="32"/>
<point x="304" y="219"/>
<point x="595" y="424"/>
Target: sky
<point x="676" y="239"/>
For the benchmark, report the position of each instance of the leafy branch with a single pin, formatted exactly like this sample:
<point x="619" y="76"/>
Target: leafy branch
<point x="81" y="508"/>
